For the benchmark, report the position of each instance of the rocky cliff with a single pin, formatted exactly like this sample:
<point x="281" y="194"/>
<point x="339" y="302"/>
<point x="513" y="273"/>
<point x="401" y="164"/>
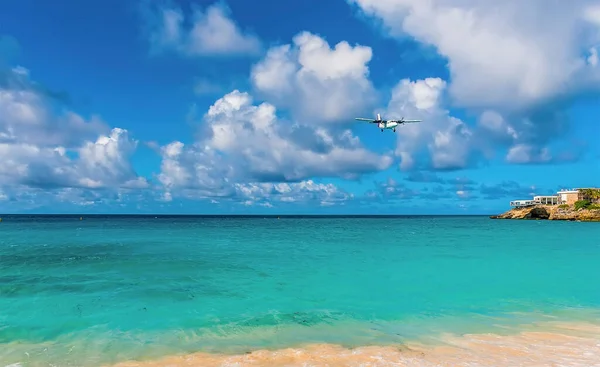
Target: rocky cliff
<point x="551" y="212"/>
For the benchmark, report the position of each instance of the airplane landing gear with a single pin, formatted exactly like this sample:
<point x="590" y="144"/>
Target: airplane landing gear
<point x="394" y="130"/>
<point x="381" y="130"/>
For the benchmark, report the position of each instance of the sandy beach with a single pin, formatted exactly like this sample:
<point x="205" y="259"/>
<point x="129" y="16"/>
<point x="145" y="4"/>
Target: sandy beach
<point x="573" y="345"/>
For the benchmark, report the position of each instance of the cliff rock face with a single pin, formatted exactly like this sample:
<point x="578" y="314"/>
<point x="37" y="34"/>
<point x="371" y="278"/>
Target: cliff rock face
<point x="551" y="213"/>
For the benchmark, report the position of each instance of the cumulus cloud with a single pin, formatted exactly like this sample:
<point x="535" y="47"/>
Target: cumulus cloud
<point x="440" y="141"/>
<point x="505" y="61"/>
<point x="527" y="138"/>
<point x="23" y="199"/>
<point x="593" y="57"/>
<point x="212" y="32"/>
<point x="41" y="148"/>
<point x="500" y="54"/>
<point x="299" y="192"/>
<point x="242" y="145"/>
<point x="444" y="142"/>
<point x="316" y="82"/>
<point x="26" y="115"/>
<point x="241" y="142"/>
<point x="591" y="13"/>
<point x="516" y="68"/>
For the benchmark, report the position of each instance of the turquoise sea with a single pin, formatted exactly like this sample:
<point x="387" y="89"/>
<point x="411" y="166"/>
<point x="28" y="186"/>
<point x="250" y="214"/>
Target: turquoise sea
<point x="103" y="289"/>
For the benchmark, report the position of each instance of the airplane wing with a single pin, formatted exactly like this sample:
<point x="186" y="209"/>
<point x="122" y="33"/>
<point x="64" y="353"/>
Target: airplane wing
<point x="364" y="119"/>
<point x="411" y="120"/>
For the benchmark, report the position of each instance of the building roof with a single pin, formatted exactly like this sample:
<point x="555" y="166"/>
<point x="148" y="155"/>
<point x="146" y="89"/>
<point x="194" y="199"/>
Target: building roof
<point x="575" y="191"/>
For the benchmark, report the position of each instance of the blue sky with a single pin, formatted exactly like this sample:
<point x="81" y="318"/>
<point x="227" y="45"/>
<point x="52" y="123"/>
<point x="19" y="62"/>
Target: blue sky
<point x="247" y="107"/>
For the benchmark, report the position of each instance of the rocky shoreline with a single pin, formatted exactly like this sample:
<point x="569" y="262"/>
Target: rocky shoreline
<point x="551" y="212"/>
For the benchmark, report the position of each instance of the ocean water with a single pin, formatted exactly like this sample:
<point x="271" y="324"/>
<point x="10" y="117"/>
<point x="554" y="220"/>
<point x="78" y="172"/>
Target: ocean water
<point x="103" y="290"/>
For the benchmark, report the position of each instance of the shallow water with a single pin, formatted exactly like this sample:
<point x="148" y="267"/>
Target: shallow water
<point x="107" y="290"/>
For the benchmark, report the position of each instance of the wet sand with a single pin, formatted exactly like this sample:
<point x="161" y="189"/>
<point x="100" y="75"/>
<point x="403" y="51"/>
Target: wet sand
<point x="573" y="345"/>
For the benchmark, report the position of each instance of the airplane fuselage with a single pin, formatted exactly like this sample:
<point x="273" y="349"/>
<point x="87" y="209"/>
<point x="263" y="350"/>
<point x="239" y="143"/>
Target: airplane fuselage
<point x="387" y="124"/>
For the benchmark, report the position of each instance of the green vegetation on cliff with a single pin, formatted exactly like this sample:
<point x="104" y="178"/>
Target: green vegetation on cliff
<point x="592" y="195"/>
<point x="586" y="204"/>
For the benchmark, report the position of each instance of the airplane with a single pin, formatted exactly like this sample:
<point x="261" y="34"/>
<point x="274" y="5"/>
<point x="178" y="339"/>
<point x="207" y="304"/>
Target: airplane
<point x="386" y="124"/>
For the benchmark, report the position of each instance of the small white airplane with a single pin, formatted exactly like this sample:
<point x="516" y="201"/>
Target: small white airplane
<point x="386" y="124"/>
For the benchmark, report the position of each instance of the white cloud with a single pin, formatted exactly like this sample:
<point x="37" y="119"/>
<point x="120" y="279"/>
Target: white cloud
<point x="170" y="32"/>
<point x="392" y="190"/>
<point x="526" y="138"/>
<point x="40" y="148"/>
<point x="300" y="192"/>
<point x="507" y="62"/>
<point x="500" y="54"/>
<point x="493" y="122"/>
<point x="591" y="13"/>
<point x="316" y="82"/>
<point x="524" y="153"/>
<point x="444" y="142"/>
<point x="73" y="199"/>
<point x="213" y="32"/>
<point x="100" y="164"/>
<point x="241" y="142"/>
<point x="593" y="57"/>
<point x="26" y="116"/>
<point x="462" y="194"/>
<point x="440" y="141"/>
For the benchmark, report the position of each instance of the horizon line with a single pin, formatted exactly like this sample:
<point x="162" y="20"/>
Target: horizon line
<point x="231" y="215"/>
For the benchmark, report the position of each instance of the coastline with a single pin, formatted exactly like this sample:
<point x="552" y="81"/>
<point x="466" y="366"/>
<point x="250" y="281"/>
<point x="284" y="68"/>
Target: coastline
<point x="569" y="344"/>
<point x="559" y="339"/>
<point x="551" y="212"/>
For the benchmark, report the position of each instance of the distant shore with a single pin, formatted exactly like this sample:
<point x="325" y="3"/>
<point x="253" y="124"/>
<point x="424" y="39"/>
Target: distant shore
<point x="551" y="212"/>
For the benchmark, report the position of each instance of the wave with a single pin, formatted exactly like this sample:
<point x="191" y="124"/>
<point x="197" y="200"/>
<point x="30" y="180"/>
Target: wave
<point x="572" y="345"/>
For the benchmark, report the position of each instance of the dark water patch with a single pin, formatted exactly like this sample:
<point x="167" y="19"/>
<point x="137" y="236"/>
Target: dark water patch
<point x="177" y="289"/>
<point x="179" y="293"/>
<point x="118" y="258"/>
<point x="40" y="333"/>
<point x="304" y="318"/>
<point x="33" y="279"/>
<point x="42" y="255"/>
<point x="13" y="290"/>
<point x="44" y="285"/>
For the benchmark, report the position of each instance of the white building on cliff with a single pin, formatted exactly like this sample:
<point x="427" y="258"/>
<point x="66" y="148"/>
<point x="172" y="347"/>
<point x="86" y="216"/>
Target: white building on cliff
<point x="564" y="196"/>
